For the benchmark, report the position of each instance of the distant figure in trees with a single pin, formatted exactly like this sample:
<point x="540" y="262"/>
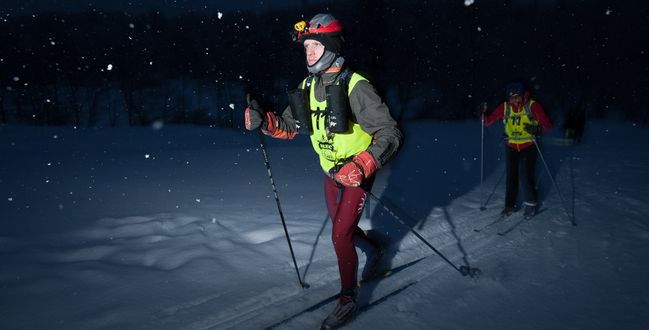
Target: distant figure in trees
<point x="352" y="132"/>
<point x="574" y="125"/>
<point x="524" y="119"/>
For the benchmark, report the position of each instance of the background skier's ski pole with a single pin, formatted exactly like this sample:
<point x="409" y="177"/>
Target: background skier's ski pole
<point x="279" y="206"/>
<point x="484" y="105"/>
<point x="482" y="111"/>
<point x="563" y="203"/>
<point x="464" y="270"/>
<point x="493" y="190"/>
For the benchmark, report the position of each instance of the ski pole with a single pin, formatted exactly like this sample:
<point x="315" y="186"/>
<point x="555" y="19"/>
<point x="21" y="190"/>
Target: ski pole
<point x="563" y="203"/>
<point x="464" y="270"/>
<point x="279" y="206"/>
<point x="484" y="206"/>
<point x="482" y="150"/>
<point x="482" y="110"/>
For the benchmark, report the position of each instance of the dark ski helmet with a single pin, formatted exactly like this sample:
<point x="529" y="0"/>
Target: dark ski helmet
<point x="514" y="88"/>
<point x="324" y="28"/>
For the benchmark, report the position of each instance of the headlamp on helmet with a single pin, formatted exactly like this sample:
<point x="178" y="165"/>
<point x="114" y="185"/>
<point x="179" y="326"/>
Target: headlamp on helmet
<point x="514" y="89"/>
<point x="299" y="28"/>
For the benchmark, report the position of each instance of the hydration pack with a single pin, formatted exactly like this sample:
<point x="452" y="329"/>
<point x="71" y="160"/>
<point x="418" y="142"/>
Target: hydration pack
<point x="338" y="110"/>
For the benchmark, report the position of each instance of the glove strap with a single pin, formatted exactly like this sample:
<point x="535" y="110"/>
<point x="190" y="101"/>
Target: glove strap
<point x="366" y="163"/>
<point x="360" y="167"/>
<point x="270" y="123"/>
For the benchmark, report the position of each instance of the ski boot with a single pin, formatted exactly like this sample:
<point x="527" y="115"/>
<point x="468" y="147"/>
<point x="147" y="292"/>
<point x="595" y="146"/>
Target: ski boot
<point x="507" y="211"/>
<point x="372" y="262"/>
<point x="343" y="312"/>
<point x="529" y="209"/>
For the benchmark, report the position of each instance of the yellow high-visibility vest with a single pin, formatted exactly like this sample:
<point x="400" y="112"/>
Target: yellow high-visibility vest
<point x="515" y="123"/>
<point x="334" y="149"/>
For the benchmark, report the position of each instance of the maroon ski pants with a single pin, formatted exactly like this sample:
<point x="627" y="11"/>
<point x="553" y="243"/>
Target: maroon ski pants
<point x="345" y="206"/>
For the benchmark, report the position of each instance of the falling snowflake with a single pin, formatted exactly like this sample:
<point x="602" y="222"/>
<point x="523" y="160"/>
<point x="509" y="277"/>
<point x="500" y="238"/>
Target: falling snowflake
<point x="220" y="15"/>
<point x="157" y="125"/>
<point x="468" y="2"/>
<point x="109" y="67"/>
<point x="232" y="106"/>
<point x="608" y="11"/>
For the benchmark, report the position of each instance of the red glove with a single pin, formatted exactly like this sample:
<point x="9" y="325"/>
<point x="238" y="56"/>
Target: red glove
<point x="256" y="119"/>
<point x="253" y="118"/>
<point x="269" y="126"/>
<point x="362" y="166"/>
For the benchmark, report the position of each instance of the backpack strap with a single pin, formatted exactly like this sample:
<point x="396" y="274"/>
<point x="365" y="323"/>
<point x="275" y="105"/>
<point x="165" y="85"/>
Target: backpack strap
<point x="528" y="110"/>
<point x="527" y="107"/>
<point x="308" y="81"/>
<point x="345" y="77"/>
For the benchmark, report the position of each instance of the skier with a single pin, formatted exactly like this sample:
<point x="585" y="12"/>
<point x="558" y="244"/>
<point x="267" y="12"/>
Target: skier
<point x="353" y="134"/>
<point x="524" y="119"/>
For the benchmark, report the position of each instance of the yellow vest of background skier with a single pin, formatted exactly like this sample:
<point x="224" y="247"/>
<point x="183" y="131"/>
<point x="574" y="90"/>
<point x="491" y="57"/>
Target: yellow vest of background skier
<point x="515" y="123"/>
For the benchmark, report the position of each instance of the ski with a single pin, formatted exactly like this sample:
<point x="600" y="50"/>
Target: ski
<point x="518" y="223"/>
<point x="371" y="304"/>
<point x="512" y="227"/>
<point x="385" y="273"/>
<point x="498" y="219"/>
<point x="332" y="298"/>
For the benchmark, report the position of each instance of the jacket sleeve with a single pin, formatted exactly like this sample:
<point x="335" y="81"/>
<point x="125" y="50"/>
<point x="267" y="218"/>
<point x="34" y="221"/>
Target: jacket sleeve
<point x="543" y="119"/>
<point x="374" y="118"/>
<point x="497" y="114"/>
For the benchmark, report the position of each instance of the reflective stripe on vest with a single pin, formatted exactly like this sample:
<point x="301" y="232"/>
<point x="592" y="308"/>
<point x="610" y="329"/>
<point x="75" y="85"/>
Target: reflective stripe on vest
<point x="515" y="123"/>
<point x="334" y="149"/>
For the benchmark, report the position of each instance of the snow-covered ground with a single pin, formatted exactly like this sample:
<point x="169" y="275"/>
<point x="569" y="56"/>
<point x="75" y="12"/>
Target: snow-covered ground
<point x="133" y="228"/>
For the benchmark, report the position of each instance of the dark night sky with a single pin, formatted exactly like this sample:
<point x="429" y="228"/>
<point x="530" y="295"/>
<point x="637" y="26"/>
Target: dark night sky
<point x="28" y="7"/>
<point x="18" y="7"/>
<point x="451" y="52"/>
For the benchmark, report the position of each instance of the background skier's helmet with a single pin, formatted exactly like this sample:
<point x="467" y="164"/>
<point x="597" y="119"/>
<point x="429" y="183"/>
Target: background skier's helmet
<point x="322" y="27"/>
<point x="514" y="88"/>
